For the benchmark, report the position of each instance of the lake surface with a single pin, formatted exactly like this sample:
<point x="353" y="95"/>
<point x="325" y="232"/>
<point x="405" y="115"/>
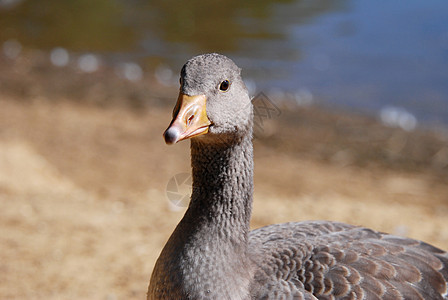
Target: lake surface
<point x="382" y="57"/>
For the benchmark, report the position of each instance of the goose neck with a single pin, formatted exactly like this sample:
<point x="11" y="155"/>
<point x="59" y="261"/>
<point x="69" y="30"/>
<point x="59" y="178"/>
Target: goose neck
<point x="223" y="184"/>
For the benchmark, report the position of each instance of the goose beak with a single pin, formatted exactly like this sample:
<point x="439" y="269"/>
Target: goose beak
<point x="189" y="119"/>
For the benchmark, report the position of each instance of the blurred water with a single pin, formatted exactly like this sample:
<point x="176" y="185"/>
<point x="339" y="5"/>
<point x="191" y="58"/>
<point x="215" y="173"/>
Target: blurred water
<point x="378" y="54"/>
<point x="382" y="57"/>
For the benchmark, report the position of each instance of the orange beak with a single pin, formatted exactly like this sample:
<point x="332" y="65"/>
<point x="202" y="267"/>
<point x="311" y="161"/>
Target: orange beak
<point x="189" y="119"/>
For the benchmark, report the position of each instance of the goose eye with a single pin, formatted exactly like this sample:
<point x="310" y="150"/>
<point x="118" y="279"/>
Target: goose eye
<point x="224" y="86"/>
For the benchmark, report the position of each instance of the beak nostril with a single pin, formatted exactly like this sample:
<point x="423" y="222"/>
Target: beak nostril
<point x="190" y="119"/>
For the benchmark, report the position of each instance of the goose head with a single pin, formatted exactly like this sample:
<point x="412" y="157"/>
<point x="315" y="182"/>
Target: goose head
<point x="213" y="101"/>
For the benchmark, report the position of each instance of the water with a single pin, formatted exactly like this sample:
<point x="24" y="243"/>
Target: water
<point x="382" y="57"/>
<point x="378" y="54"/>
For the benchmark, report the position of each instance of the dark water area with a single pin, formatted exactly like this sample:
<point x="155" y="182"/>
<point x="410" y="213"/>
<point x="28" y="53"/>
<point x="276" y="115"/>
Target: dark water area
<point x="384" y="58"/>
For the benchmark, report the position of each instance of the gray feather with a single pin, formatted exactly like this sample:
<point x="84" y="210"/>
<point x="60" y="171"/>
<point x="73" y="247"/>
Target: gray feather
<point x="212" y="255"/>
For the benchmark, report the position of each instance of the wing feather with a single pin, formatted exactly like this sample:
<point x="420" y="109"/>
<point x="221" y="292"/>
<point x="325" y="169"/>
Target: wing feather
<point x="338" y="261"/>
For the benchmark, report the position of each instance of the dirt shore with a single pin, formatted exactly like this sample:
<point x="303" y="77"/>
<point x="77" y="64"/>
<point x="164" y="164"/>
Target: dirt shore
<point x="84" y="171"/>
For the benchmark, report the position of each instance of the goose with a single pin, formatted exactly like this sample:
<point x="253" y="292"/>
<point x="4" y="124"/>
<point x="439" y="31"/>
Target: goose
<point x="212" y="254"/>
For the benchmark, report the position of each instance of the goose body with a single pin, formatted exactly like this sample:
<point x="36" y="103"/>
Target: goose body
<point x="212" y="254"/>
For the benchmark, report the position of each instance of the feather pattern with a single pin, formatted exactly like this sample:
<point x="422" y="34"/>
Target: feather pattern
<point x="338" y="261"/>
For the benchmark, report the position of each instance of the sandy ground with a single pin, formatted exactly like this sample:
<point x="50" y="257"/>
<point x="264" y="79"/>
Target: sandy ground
<point x="84" y="211"/>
